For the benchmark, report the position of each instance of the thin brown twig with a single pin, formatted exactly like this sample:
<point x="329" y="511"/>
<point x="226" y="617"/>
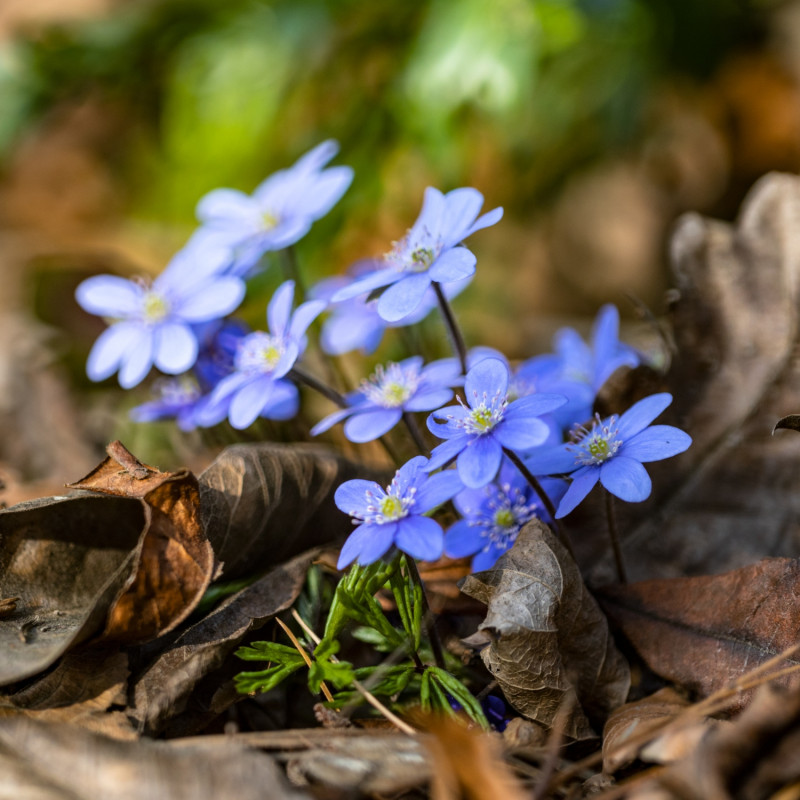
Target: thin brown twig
<point x="300" y="649"/>
<point x="368" y="696"/>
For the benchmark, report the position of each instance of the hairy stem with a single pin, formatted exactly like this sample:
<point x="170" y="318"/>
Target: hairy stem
<point x="611" y="516"/>
<point x="454" y="332"/>
<point x="427" y="616"/>
<point x="416" y="433"/>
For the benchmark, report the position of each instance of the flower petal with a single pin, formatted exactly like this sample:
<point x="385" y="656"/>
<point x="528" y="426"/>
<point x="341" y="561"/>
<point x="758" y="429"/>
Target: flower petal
<point x="109" y="296"/>
<point x="641" y="414"/>
<point x="488" y="377"/>
<point x="480" y="461"/>
<point x="446" y="452"/>
<point x="403" y="297"/>
<point x="534" y="405"/>
<point x="548" y="460"/>
<point x="247" y="403"/>
<point x="332" y="419"/>
<point x="356" y="542"/>
<point x="484" y="221"/>
<point x="383" y="277"/>
<point x="656" y="442"/>
<point x="378" y="541"/>
<point x="626" y="478"/>
<point x="212" y="301"/>
<point x="487" y="558"/>
<point x="351" y="496"/>
<point x="521" y="433"/>
<point x="437" y="489"/>
<point x="303" y="316"/>
<point x="174" y="348"/>
<point x="369" y="425"/>
<point x="463" y="539"/>
<point x="583" y="482"/>
<point x="223" y="206"/>
<point x="110" y="348"/>
<point x="279" y="310"/>
<point x="137" y="361"/>
<point x="453" y="265"/>
<point x="420" y="537"/>
<point x="429" y="400"/>
<point x="462" y="206"/>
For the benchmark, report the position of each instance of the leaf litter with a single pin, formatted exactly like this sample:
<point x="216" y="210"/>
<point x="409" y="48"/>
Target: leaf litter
<point x="107" y="580"/>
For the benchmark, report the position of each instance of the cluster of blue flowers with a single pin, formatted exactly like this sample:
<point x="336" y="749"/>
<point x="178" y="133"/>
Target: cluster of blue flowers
<point x="520" y="442"/>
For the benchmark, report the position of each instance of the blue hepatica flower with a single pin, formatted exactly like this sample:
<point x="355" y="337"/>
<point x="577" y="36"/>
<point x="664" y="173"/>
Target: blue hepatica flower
<point x="257" y="386"/>
<point x="612" y="452"/>
<point x="495" y="514"/>
<point x="153" y="323"/>
<point x="395" y="516"/>
<point x="429" y="252"/>
<point x="392" y="390"/>
<point x="578" y="370"/>
<point x="478" y="430"/>
<point x="279" y="212"/>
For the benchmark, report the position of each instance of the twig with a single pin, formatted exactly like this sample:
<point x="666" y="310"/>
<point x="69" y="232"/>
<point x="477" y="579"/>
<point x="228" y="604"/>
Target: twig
<point x="368" y="696"/>
<point x="306" y="658"/>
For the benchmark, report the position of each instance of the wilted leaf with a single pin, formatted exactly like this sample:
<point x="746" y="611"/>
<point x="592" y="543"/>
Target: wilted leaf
<point x="751" y="758"/>
<point x="550" y="642"/>
<point x="81" y="690"/>
<point x="162" y="691"/>
<point x="264" y="503"/>
<point x="734" y="496"/>
<point x="49" y="761"/>
<point x="791" y="423"/>
<point x="704" y="632"/>
<point x="65" y="559"/>
<point x="175" y="561"/>
<point x="634" y="720"/>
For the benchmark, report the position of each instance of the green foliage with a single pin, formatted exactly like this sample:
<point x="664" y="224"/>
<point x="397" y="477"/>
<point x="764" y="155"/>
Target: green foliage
<point x="286" y="660"/>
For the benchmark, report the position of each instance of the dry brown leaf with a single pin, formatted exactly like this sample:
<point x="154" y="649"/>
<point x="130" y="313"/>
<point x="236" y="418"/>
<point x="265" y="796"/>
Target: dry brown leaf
<point x="81" y="690"/>
<point x="265" y="503"/>
<point x="66" y="559"/>
<point x="636" y="719"/>
<point x="706" y="631"/>
<point x="551" y="646"/>
<point x="51" y="761"/>
<point x="175" y="561"/>
<point x="164" y="689"/>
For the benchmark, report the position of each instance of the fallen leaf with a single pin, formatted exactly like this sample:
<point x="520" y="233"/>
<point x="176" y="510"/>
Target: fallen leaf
<point x="162" y="692"/>
<point x="175" y="561"/>
<point x="734" y="496"/>
<point x="790" y="422"/>
<point x="81" y="690"/>
<point x="49" y="761"/>
<point x="634" y="720"/>
<point x="704" y="632"/>
<point x="262" y="504"/>
<point x="550" y="642"/>
<point x="66" y="559"/>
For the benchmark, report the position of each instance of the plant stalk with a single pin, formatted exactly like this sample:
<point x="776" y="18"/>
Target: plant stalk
<point x="454" y="332"/>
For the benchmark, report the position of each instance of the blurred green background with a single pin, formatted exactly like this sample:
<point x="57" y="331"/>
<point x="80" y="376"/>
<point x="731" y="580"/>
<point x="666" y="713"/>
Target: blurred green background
<point x="595" y="123"/>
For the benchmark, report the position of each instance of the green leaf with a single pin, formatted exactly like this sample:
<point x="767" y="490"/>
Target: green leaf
<point x="264" y="680"/>
<point x="461" y="695"/>
<point x="269" y="651"/>
<point x="339" y="673"/>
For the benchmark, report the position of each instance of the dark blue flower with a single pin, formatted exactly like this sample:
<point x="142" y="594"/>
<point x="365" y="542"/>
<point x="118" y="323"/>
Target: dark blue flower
<point x="392" y="390"/>
<point x="256" y="387"/>
<point x="154" y="323"/>
<point x="278" y="213"/>
<point x="478" y="430"/>
<point x="395" y="517"/>
<point x="493" y="516"/>
<point x="612" y="452"/>
<point x="429" y="252"/>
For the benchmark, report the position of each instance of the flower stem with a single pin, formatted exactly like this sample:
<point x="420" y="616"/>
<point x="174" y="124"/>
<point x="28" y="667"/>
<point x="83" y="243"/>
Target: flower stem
<point x="456" y="338"/>
<point x="543" y="496"/>
<point x="291" y="270"/>
<point x="611" y="516"/>
<point x="301" y="376"/>
<point x="416" y="433"/>
<point x="430" y="621"/>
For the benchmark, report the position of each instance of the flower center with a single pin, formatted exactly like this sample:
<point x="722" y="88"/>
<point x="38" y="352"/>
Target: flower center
<point x="260" y="352"/>
<point x="597" y="445"/>
<point x="391" y="386"/>
<point x="181" y="391"/>
<point x="483" y="417"/>
<point x="502" y="516"/>
<point x="389" y="506"/>
<point x="406" y="256"/>
<point x="269" y="220"/>
<point x="154" y="307"/>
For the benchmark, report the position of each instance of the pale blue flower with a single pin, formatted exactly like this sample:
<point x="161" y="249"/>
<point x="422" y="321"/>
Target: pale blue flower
<point x="278" y="213"/>
<point x="430" y="251"/>
<point x="153" y="323"/>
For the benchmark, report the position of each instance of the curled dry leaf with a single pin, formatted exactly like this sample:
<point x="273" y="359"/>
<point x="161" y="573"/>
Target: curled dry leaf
<point x="264" y="503"/>
<point x="734" y="496"/>
<point x="622" y="735"/>
<point x="174" y="560"/>
<point x="164" y="689"/>
<point x="551" y="647"/>
<point x="790" y="423"/>
<point x="56" y="762"/>
<point x="65" y="559"/>
<point x="705" y="632"/>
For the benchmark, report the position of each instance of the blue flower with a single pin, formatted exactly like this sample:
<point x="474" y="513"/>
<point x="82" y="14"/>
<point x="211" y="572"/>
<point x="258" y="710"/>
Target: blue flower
<point x="153" y="323"/>
<point x="356" y="324"/>
<point x="495" y="514"/>
<point x="478" y="430"/>
<point x="256" y="387"/>
<point x="429" y="252"/>
<point x="578" y="370"/>
<point x="612" y="451"/>
<point x="278" y="213"/>
<point x="395" y="516"/>
<point x="392" y="390"/>
<point x="175" y="398"/>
